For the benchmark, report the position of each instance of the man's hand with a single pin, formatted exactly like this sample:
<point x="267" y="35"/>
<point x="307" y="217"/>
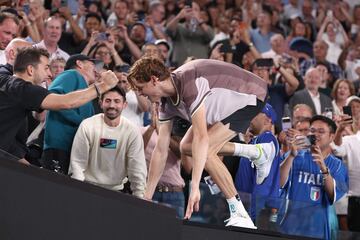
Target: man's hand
<point x="65" y="11"/>
<point x="186" y="11"/>
<point x="147" y="196"/>
<point x="193" y="203"/>
<point x="109" y="80"/>
<point x="345" y="121"/>
<point x="24" y="161"/>
<point x="318" y="158"/>
<point x="297" y="143"/>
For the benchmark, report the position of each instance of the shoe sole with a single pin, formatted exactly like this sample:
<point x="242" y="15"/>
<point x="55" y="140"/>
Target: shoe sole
<point x="272" y="153"/>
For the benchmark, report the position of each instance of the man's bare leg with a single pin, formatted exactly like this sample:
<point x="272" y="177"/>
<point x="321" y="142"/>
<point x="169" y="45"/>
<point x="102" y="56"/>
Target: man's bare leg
<point x="219" y="134"/>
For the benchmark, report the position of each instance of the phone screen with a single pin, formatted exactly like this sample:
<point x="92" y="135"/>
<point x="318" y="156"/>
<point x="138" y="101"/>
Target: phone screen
<point x="312" y="139"/>
<point x="264" y="62"/>
<point x="347" y="110"/>
<point x="26" y="9"/>
<point x="102" y="37"/>
<point x="286" y="123"/>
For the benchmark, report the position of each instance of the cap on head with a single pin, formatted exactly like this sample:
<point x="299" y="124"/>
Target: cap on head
<point x="162" y="41"/>
<point x="12" y="11"/>
<point x="269" y="111"/>
<point x="352" y="98"/>
<point x="71" y="62"/>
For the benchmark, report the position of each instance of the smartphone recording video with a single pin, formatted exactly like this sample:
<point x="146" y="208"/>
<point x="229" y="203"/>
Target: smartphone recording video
<point x="347" y="110"/>
<point x="311" y="140"/>
<point x="188" y="3"/>
<point x="26" y="9"/>
<point x="286" y="59"/>
<point x="285" y="123"/>
<point x="264" y="62"/>
<point x="141" y="15"/>
<point x="102" y="36"/>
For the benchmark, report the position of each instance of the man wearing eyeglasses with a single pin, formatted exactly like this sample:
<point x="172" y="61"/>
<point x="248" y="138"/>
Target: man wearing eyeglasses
<point x="313" y="179"/>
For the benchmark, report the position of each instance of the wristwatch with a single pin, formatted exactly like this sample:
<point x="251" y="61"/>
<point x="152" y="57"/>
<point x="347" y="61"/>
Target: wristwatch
<point x="250" y="44"/>
<point x="325" y="172"/>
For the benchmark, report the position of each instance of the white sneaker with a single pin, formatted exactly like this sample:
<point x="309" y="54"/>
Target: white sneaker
<point x="240" y="221"/>
<point x="264" y="161"/>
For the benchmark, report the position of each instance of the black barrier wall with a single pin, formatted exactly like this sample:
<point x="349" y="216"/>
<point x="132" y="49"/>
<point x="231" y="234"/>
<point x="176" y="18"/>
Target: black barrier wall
<point x="37" y="204"/>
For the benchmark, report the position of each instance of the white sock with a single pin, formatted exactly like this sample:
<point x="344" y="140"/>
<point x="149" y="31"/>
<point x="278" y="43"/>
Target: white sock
<point x="246" y="150"/>
<point x="236" y="207"/>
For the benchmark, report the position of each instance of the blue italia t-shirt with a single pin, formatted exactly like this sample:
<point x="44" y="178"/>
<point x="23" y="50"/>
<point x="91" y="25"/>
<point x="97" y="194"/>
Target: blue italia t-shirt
<point x="267" y="193"/>
<point x="308" y="211"/>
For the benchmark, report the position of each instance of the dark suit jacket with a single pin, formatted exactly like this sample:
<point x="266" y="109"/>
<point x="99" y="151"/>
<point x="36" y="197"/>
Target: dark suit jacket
<point x="303" y="96"/>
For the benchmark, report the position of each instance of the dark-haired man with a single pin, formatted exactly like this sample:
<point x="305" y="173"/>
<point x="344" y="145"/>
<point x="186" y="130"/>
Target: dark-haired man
<point x="314" y="179"/>
<point x="107" y="148"/>
<point x="20" y="94"/>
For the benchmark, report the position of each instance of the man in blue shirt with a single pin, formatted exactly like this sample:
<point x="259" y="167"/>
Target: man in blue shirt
<point x="313" y="179"/>
<point x="263" y="195"/>
<point x="61" y="126"/>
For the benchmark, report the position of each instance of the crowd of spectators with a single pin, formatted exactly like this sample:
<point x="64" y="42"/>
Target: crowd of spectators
<point x="308" y="52"/>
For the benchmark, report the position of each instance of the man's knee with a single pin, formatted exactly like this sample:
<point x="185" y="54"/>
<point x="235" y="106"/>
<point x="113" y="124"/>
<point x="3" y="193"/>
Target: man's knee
<point x="210" y="161"/>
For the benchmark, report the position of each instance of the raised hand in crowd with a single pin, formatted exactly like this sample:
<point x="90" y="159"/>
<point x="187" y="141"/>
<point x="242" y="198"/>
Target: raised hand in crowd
<point x="184" y="13"/>
<point x="344" y="127"/>
<point x="110" y="44"/>
<point x="132" y="18"/>
<point x="82" y="11"/>
<point x="31" y="28"/>
<point x="75" y="29"/>
<point x="92" y="41"/>
<point x="122" y="33"/>
<point x="38" y="14"/>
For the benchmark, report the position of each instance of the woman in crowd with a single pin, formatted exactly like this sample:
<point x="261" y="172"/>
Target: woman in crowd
<point x="342" y="89"/>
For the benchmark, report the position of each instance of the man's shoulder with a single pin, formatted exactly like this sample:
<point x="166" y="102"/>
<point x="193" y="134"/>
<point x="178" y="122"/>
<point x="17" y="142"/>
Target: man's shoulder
<point x="334" y="159"/>
<point x="4" y="78"/>
<point x="9" y="81"/>
<point x="6" y="69"/>
<point x="91" y="124"/>
<point x="129" y="125"/>
<point x="300" y="93"/>
<point x="63" y="79"/>
<point x="325" y="97"/>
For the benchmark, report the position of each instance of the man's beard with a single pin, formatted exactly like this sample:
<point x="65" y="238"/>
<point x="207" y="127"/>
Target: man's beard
<point x="113" y="115"/>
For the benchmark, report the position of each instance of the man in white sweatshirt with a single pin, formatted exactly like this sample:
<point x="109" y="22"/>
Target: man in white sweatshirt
<point x="107" y="148"/>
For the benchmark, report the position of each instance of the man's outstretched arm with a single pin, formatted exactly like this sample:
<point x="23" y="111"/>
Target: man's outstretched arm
<point x="158" y="158"/>
<point x="199" y="151"/>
